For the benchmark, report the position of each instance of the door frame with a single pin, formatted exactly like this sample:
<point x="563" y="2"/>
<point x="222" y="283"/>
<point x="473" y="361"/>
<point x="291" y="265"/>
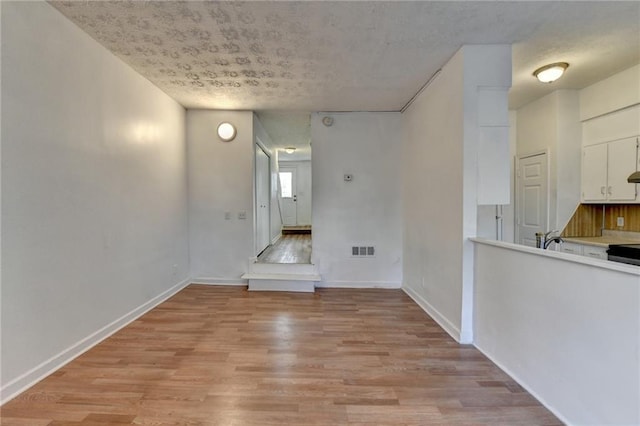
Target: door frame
<point x="516" y="187"/>
<point x="260" y="145"/>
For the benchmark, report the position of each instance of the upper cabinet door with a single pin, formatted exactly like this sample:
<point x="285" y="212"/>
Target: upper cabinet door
<point x="594" y="173"/>
<point x="623" y="160"/>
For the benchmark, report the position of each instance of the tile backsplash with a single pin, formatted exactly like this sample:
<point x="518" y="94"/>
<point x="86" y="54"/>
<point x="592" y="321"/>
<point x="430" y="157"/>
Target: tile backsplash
<point x="590" y="219"/>
<point x="630" y="213"/>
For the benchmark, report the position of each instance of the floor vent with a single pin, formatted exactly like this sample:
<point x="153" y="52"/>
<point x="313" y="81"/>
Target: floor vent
<point x="363" y="251"/>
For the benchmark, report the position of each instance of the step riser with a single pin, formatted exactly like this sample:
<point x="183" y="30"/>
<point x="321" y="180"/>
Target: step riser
<point x="279" y="268"/>
<point x="279" y="285"/>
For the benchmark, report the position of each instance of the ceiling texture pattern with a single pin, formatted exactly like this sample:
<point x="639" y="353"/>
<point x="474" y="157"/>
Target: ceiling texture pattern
<point x="349" y="56"/>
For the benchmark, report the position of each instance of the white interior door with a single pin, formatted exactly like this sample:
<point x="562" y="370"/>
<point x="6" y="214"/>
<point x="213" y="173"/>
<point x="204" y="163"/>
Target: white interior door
<point x="288" y="196"/>
<point x="263" y="195"/>
<point x="532" y="188"/>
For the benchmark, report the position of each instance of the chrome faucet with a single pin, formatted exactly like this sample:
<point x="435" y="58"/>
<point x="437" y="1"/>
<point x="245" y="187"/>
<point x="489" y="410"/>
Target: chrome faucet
<point x="543" y="240"/>
<point x="548" y="239"/>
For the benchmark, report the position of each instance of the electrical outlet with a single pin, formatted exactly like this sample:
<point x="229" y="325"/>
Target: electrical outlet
<point x="620" y="221"/>
<point x="242" y="215"/>
<point x="227" y="215"/>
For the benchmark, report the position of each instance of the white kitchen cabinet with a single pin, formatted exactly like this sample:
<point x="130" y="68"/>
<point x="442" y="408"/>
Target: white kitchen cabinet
<point x="605" y="169"/>
<point x="594" y="252"/>
<point x="594" y="173"/>
<point x="572" y="248"/>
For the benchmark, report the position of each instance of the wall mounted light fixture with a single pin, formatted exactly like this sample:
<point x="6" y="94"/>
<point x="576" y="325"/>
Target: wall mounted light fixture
<point x="290" y="149"/>
<point x="226" y="131"/>
<point x="550" y="73"/>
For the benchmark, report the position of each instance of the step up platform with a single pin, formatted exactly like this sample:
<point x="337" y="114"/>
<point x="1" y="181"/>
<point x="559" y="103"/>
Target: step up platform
<point x="296" y="277"/>
<point x="304" y="283"/>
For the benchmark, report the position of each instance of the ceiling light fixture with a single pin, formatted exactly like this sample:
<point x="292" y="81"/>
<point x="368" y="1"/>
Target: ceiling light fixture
<point x="226" y="131"/>
<point x="550" y="73"/>
<point x="290" y="149"/>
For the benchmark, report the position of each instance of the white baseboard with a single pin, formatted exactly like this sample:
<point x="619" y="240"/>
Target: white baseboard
<point x="442" y="321"/>
<point x="522" y="383"/>
<point x="359" y="284"/>
<point x="220" y="281"/>
<point x="39" y="372"/>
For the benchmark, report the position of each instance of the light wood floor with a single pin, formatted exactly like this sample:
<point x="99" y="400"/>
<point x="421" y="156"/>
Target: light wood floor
<point x="295" y="248"/>
<point x="225" y="356"/>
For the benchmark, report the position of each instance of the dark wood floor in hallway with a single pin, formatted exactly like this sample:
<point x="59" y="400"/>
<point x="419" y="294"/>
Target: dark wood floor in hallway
<point x="225" y="356"/>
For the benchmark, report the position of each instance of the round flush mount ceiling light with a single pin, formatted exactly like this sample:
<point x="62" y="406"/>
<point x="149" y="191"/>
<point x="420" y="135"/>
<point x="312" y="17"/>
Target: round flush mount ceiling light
<point x="550" y="73"/>
<point x="226" y="131"/>
<point x="290" y="149"/>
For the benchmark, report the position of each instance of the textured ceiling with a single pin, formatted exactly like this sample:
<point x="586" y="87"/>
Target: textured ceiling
<point x="349" y="56"/>
<point x="274" y="57"/>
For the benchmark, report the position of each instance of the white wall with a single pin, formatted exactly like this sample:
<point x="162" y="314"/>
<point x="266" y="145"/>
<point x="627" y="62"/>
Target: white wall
<point x="552" y="123"/>
<point x="509" y="211"/>
<point x="303" y="189"/>
<point x="610" y="109"/>
<point x="619" y="91"/>
<point x="432" y="196"/>
<point x="220" y="181"/>
<point x="568" y="157"/>
<point x="276" y="218"/>
<point x="443" y="129"/>
<point x="569" y="332"/>
<point x="93" y="192"/>
<point x="366" y="210"/>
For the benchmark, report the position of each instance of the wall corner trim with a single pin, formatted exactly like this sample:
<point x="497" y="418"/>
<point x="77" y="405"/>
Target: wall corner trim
<point x="39" y="372"/>
<point x="442" y="321"/>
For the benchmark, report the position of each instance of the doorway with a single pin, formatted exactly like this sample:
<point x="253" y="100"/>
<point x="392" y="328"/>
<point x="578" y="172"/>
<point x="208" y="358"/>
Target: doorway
<point x="288" y="196"/>
<point x="288" y="137"/>
<point x="263" y="198"/>
<point x="294" y="245"/>
<point x="532" y="197"/>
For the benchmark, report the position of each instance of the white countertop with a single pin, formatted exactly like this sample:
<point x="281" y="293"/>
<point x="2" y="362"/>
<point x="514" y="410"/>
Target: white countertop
<point x="608" y="238"/>
<point x="604" y="264"/>
<point x="599" y="241"/>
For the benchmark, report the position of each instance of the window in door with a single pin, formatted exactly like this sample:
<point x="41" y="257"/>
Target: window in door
<point x="286" y="184"/>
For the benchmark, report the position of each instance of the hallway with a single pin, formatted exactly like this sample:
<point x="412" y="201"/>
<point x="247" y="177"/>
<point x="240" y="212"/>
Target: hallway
<point x="294" y="248"/>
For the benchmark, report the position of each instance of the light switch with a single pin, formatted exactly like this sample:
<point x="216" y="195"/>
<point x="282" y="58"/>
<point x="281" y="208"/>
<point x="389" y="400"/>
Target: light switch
<point x="227" y="215"/>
